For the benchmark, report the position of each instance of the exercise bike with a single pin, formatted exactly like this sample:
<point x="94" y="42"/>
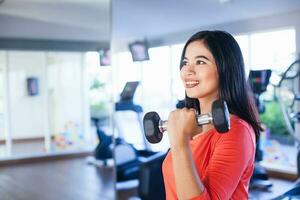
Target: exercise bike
<point x="127" y="158"/>
<point x="259" y="80"/>
<point x="286" y="87"/>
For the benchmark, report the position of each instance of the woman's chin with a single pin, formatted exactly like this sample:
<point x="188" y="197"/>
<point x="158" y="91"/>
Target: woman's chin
<point x="193" y="95"/>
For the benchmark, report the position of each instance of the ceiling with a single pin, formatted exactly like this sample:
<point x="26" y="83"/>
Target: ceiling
<point x="56" y="19"/>
<point x="90" y="20"/>
<point x="155" y="18"/>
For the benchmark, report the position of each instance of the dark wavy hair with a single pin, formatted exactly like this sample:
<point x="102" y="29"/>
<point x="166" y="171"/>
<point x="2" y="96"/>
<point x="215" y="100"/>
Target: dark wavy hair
<point x="233" y="87"/>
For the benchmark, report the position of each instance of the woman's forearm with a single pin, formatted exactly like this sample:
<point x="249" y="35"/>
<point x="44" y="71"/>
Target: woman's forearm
<point x="187" y="180"/>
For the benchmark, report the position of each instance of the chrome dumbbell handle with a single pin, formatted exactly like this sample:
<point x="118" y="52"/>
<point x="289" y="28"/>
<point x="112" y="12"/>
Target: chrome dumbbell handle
<point x="201" y="120"/>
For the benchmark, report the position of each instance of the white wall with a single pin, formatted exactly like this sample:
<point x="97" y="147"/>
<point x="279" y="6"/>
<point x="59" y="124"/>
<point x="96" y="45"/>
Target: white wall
<point x="60" y="99"/>
<point x="65" y="90"/>
<point x="27" y="112"/>
<point x="2" y="66"/>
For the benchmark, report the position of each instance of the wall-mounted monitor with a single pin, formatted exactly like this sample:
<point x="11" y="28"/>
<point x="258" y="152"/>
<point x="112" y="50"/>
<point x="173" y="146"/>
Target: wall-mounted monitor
<point x="139" y="51"/>
<point x="32" y="86"/>
<point x="104" y="57"/>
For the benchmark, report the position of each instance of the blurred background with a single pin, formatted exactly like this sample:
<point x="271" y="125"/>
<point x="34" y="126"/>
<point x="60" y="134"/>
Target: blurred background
<point x="78" y="76"/>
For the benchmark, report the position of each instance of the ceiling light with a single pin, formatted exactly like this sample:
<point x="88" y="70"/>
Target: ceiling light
<point x="225" y="1"/>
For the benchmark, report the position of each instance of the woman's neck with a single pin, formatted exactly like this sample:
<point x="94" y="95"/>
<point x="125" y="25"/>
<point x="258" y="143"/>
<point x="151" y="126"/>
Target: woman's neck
<point x="206" y="107"/>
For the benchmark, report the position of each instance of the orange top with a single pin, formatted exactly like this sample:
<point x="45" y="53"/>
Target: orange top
<point x="224" y="162"/>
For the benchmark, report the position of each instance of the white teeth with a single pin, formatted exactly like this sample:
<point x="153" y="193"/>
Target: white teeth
<point x="192" y="82"/>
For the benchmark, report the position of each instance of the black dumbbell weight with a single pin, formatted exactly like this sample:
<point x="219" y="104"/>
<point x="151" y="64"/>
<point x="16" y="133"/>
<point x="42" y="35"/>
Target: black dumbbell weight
<point x="154" y="126"/>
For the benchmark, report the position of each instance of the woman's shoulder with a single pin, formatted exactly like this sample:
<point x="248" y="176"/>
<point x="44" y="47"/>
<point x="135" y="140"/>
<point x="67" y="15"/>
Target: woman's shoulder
<point x="238" y="123"/>
<point x="239" y="130"/>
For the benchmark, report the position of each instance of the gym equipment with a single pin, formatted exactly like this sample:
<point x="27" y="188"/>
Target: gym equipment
<point x="154" y="126"/>
<point x="259" y="80"/>
<point x="151" y="182"/>
<point x="127" y="158"/>
<point x="128" y="92"/>
<point x="290" y="114"/>
<point x="104" y="150"/>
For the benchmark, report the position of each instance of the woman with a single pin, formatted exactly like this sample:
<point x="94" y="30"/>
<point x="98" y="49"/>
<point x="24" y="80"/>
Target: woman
<point x="203" y="164"/>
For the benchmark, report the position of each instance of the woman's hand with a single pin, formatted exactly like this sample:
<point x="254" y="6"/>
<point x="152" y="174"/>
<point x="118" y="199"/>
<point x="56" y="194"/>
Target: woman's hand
<point x="182" y="126"/>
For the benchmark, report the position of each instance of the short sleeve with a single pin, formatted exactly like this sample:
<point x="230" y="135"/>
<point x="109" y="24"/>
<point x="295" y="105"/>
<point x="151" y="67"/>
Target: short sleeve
<point x="232" y="154"/>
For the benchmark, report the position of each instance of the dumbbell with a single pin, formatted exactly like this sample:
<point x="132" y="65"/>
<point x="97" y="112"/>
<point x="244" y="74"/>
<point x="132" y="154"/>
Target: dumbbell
<point x="154" y="126"/>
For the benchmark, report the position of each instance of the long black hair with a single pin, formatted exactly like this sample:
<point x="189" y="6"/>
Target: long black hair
<point x="233" y="87"/>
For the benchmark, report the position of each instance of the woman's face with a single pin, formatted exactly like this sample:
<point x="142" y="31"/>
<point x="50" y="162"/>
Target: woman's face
<point x="199" y="72"/>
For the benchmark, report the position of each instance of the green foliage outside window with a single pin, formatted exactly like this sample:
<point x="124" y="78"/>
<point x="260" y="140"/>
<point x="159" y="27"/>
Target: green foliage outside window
<point x="98" y="99"/>
<point x="273" y="119"/>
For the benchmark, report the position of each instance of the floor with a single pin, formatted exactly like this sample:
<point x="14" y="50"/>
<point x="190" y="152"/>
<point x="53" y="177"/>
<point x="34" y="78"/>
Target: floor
<point x="279" y="186"/>
<point x="37" y="147"/>
<point x="71" y="179"/>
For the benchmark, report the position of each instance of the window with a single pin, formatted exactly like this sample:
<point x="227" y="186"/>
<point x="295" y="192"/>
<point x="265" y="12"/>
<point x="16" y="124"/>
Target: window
<point x="274" y="50"/>
<point x="152" y="94"/>
<point x="243" y="41"/>
<point x="177" y="86"/>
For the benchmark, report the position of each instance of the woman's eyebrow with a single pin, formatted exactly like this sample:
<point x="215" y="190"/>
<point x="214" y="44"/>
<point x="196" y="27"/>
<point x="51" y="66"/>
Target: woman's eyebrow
<point x="201" y="56"/>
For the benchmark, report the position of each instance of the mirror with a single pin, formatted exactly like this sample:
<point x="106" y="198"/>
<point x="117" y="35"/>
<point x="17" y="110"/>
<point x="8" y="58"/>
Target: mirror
<point x="55" y="85"/>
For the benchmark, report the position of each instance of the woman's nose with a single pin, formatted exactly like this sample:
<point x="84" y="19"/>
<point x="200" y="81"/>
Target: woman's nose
<point x="190" y="70"/>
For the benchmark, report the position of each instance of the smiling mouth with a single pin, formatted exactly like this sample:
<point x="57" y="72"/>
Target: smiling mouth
<point x="191" y="84"/>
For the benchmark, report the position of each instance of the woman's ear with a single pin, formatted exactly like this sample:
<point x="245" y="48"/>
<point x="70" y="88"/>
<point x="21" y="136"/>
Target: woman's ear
<point x="192" y="103"/>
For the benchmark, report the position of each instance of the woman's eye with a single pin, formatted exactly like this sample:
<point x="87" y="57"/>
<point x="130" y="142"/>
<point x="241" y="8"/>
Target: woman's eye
<point x="184" y="63"/>
<point x="200" y="62"/>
